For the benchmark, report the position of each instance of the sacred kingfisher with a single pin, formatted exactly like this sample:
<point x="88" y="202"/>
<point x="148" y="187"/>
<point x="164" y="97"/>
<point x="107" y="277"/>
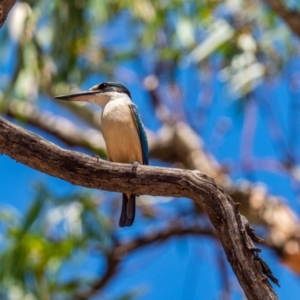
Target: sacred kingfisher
<point x="123" y="131"/>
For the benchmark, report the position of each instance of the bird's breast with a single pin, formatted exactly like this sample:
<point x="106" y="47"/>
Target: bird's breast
<point x="120" y="133"/>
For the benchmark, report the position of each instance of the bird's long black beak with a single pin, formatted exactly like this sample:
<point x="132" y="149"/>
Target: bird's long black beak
<point x="81" y="96"/>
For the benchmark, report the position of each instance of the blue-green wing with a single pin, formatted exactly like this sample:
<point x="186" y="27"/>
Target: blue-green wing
<point x="142" y="133"/>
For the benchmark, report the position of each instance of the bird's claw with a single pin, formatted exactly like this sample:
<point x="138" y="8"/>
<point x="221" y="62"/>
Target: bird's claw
<point x="135" y="165"/>
<point x="96" y="156"/>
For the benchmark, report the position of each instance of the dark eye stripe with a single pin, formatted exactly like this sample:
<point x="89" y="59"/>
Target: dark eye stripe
<point x="112" y="87"/>
<point x="102" y="86"/>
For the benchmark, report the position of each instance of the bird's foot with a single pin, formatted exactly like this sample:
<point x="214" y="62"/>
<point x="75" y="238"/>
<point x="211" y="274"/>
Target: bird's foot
<point x="97" y="157"/>
<point x="135" y="165"/>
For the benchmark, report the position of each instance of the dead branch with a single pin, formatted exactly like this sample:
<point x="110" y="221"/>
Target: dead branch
<point x="179" y="143"/>
<point x="80" y="169"/>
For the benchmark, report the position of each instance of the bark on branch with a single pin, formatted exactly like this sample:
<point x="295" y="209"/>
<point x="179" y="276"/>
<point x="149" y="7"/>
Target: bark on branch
<point x="5" y="7"/>
<point x="179" y="143"/>
<point x="91" y="172"/>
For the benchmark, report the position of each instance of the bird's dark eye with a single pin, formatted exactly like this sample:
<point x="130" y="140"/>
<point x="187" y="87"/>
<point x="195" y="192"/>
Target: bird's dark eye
<point x="102" y="86"/>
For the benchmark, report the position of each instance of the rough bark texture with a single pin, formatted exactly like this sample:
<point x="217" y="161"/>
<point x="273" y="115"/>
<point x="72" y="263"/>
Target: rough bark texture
<point x="180" y="143"/>
<point x="92" y="172"/>
<point x="5" y="7"/>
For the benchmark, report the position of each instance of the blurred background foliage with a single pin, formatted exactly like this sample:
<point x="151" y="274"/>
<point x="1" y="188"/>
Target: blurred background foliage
<point x="228" y="70"/>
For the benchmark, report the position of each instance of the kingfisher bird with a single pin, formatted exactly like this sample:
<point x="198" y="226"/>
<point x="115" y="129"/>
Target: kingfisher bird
<point x="123" y="131"/>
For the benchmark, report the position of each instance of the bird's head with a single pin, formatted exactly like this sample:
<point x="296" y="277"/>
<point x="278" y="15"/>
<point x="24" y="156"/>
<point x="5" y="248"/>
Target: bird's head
<point x="100" y="94"/>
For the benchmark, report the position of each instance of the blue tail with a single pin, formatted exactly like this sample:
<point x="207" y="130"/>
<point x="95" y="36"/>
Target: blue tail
<point x="128" y="211"/>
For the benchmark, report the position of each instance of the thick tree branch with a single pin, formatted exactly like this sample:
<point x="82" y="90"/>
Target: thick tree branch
<point x="173" y="143"/>
<point x="5" y="7"/>
<point x="180" y="143"/>
<point x="83" y="170"/>
<point x="290" y="17"/>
